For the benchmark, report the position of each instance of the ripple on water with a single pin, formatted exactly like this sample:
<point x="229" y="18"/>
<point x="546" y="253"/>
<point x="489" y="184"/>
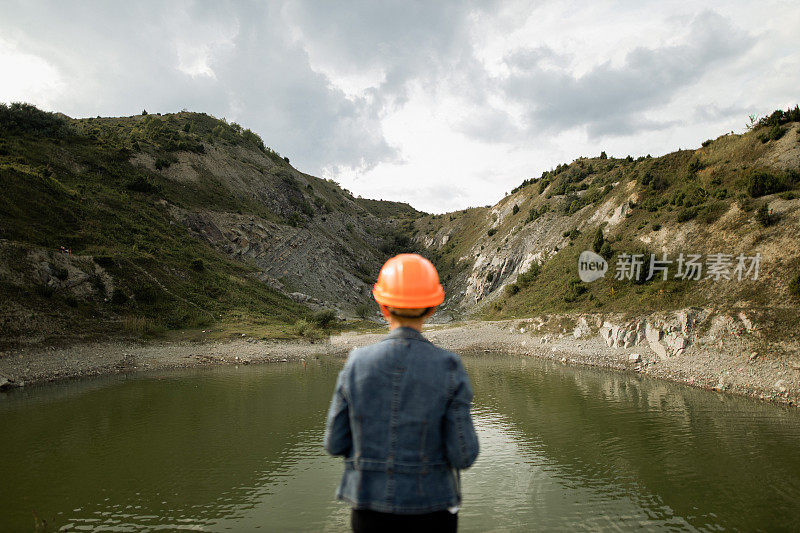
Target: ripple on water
<point x="562" y="449"/>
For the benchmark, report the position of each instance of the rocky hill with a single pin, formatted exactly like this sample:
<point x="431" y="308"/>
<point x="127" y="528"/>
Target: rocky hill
<point x="736" y="195"/>
<point x="148" y="223"/>
<point x="151" y="223"/>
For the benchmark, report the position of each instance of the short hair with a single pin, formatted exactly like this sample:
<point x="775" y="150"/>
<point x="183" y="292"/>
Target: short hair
<point x="393" y="312"/>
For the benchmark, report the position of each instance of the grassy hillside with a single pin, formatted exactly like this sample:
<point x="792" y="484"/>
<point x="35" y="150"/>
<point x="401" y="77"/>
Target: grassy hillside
<point x="735" y="194"/>
<point x="148" y="224"/>
<point x="154" y="213"/>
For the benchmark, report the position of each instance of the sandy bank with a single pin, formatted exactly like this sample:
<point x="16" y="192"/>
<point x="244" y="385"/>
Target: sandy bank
<point x="772" y="375"/>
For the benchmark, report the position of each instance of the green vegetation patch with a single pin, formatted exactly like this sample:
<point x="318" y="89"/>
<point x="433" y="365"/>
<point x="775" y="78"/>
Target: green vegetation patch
<point x="164" y="278"/>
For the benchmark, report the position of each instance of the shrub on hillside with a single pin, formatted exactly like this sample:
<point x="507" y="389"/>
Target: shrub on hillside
<point x="515" y="209"/>
<point x="119" y="298"/>
<point x="654" y="204"/>
<point x="712" y="212"/>
<point x="687" y="214"/>
<point x="659" y="183"/>
<point x="535" y="213"/>
<point x="794" y="286"/>
<point x="324" y="318"/>
<point x="363" y="310"/>
<point x="572" y="234"/>
<point x="142" y="183"/>
<point x="606" y="251"/>
<point x="147" y="294"/>
<point x="530" y="275"/>
<point x="776" y="118"/>
<point x="764" y="216"/>
<point x="599" y="240"/>
<point x="571" y="204"/>
<point x="761" y="183"/>
<point x="772" y="134"/>
<point x="689" y="196"/>
<point x="575" y="288"/>
<point x="302" y="327"/>
<point x="491" y="231"/>
<point x="26" y="118"/>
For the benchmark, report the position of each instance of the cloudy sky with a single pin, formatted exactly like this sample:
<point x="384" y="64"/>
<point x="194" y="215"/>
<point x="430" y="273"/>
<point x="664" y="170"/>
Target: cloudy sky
<point x="441" y="104"/>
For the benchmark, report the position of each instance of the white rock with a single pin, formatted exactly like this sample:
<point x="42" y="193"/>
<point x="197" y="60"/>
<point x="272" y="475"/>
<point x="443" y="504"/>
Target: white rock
<point x="634" y="358"/>
<point x="748" y="324"/>
<point x="780" y="386"/>
<point x="653" y="336"/>
<point x="630" y="338"/>
<point x="681" y="343"/>
<point x="582" y="329"/>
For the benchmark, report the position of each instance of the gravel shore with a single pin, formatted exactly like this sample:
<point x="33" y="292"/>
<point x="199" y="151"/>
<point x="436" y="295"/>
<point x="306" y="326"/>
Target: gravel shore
<point x="737" y="368"/>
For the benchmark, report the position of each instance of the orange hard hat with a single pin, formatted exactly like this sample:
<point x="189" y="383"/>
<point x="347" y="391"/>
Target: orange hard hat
<point x="408" y="281"/>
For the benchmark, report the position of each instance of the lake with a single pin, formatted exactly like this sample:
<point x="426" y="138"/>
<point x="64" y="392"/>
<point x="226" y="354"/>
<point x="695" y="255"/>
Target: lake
<point x="239" y="449"/>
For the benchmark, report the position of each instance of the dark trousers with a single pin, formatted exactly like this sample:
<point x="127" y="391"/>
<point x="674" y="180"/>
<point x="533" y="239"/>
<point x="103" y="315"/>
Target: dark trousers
<point x="372" y="521"/>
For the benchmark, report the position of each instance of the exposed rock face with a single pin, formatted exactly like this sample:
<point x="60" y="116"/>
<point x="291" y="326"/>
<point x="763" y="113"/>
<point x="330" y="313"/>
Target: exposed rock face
<point x="667" y="335"/>
<point x="66" y="274"/>
<point x="322" y="264"/>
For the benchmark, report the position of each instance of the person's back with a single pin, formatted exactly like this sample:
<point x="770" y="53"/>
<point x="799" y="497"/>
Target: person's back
<point x="400" y="416"/>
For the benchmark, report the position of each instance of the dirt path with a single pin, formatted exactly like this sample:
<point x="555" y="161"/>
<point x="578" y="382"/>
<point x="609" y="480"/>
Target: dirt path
<point x="771" y="376"/>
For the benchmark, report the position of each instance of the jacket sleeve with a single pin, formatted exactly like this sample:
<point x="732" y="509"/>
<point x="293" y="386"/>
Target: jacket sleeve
<point x="461" y="442"/>
<point x="338" y="439"/>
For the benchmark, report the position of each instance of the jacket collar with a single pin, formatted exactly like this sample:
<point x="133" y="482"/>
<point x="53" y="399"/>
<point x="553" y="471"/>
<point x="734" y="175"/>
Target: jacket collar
<point x="406" y="333"/>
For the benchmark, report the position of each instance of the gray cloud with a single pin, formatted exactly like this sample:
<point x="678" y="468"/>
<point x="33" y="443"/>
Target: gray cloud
<point x="423" y="42"/>
<point x="611" y="100"/>
<point x="117" y="58"/>
<point x="276" y="68"/>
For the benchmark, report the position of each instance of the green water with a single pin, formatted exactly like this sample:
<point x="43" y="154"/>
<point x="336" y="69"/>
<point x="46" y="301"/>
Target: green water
<point x="238" y="449"/>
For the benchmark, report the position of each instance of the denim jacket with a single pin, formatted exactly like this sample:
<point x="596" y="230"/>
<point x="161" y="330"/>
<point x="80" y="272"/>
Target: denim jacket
<point x="400" y="416"/>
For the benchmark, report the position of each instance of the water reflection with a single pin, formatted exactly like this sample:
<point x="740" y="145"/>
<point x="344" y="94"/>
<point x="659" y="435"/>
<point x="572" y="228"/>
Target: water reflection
<point x="239" y="449"/>
<point x="614" y="451"/>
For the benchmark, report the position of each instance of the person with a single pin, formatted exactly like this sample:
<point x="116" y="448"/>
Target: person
<point x="400" y="414"/>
